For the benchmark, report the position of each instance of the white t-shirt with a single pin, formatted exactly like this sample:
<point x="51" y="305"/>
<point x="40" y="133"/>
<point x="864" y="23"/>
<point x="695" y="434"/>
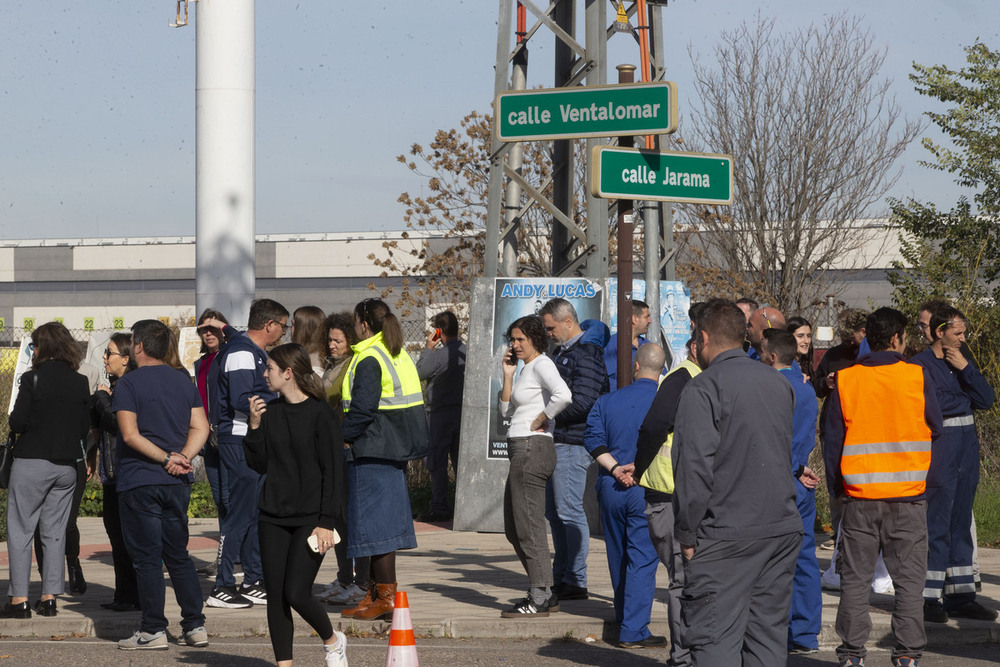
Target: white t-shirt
<point x="538" y="388"/>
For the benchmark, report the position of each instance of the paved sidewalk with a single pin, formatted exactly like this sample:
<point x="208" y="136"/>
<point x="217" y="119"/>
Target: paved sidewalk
<point x="457" y="584"/>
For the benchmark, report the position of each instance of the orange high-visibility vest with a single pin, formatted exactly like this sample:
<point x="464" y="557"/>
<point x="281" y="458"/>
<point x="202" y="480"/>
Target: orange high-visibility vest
<point x="887" y="447"/>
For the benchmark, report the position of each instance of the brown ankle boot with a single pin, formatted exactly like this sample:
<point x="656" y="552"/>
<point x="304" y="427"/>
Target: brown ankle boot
<point x="366" y="602"/>
<point x="381" y="608"/>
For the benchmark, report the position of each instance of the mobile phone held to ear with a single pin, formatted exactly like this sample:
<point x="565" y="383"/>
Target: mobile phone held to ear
<point x="510" y="358"/>
<point x="437" y="334"/>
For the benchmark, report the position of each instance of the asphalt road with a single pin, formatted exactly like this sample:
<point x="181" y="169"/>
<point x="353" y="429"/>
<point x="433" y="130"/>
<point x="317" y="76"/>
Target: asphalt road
<point x="256" y="652"/>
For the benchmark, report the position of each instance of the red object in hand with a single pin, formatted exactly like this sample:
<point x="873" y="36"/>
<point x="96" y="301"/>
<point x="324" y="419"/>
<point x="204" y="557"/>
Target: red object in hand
<point x="437" y="334"/>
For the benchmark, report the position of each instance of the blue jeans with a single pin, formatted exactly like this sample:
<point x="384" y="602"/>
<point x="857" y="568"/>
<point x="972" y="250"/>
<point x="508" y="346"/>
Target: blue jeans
<point x="155" y="527"/>
<point x="238" y="539"/>
<point x="567" y="519"/>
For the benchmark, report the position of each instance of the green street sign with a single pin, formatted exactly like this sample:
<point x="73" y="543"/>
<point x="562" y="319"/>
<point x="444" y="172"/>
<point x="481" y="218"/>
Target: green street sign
<point x="633" y="173"/>
<point x="592" y="111"/>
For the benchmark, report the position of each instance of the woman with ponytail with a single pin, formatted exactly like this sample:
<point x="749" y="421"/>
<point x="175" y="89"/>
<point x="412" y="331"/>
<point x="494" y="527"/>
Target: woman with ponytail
<point x="295" y="441"/>
<point x="384" y="427"/>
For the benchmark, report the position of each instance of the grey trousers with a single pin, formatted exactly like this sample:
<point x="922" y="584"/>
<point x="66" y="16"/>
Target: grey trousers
<point x="660" y="516"/>
<point x="40" y="494"/>
<point x="532" y="461"/>
<point x="900" y="530"/>
<point x="737" y="593"/>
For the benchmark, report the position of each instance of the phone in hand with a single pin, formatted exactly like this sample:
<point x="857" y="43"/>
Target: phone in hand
<point x="510" y="358"/>
<point x="437" y="334"/>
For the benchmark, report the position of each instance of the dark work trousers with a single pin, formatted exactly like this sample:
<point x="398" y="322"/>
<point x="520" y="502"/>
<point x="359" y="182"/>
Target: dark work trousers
<point x="220" y="489"/>
<point x="660" y="516"/>
<point x="899" y="529"/>
<point x="290" y="568"/>
<point x="949" y="520"/>
<point x="125" y="586"/>
<point x="734" y="610"/>
<point x="238" y="540"/>
<point x="72" y="531"/>
<point x="444" y="426"/>
<point x="806" y="617"/>
<point x="631" y="556"/>
<point x="532" y="460"/>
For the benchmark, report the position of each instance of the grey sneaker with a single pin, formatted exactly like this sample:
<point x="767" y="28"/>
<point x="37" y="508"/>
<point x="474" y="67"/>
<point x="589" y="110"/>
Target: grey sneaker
<point x="144" y="641"/>
<point x="196" y="637"/>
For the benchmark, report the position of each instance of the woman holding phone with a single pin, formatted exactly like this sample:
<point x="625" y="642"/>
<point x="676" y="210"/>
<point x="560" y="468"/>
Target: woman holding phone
<point x="531" y="403"/>
<point x="296" y="441"/>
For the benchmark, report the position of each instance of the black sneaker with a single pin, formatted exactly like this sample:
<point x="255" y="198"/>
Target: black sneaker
<point x="934" y="612"/>
<point x="553" y="602"/>
<point x="254" y="592"/>
<point x="799" y="649"/>
<point x="652" y="641"/>
<point x="526" y="609"/>
<point x="973" y="610"/>
<point x="226" y="597"/>
<point x="566" y="591"/>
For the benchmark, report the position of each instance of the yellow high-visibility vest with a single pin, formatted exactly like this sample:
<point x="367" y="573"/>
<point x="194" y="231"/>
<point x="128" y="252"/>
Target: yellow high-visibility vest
<point x="400" y="382"/>
<point x="659" y="476"/>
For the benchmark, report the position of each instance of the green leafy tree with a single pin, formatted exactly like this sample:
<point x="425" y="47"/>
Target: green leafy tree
<point x="955" y="254"/>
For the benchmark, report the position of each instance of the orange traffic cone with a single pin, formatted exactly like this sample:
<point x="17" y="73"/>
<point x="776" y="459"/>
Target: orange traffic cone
<point x="402" y="647"/>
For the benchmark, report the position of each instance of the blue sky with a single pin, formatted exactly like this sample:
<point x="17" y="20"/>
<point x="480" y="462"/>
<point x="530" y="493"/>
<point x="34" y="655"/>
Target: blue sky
<point x="97" y="101"/>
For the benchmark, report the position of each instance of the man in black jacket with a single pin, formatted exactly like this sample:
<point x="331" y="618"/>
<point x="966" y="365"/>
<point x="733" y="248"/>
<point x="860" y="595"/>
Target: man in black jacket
<point x="580" y="360"/>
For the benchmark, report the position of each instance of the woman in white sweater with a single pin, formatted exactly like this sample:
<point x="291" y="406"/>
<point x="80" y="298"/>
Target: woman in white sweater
<point x="531" y="403"/>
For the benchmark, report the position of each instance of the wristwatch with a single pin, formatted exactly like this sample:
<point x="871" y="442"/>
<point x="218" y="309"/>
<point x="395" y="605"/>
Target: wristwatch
<point x="166" y="461"/>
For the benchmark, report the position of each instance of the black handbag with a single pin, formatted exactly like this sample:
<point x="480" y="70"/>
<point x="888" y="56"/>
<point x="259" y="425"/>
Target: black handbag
<point x="6" y="460"/>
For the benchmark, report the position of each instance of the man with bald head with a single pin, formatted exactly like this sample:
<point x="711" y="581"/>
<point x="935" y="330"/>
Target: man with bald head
<point x="765" y="317"/>
<point x="610" y="437"/>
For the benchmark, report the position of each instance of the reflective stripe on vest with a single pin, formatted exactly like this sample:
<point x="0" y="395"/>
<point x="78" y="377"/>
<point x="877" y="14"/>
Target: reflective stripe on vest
<point x="397" y="391"/>
<point x="887" y="445"/>
<point x="659" y="476"/>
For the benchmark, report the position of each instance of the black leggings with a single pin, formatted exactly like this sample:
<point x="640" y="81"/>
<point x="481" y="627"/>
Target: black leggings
<point x="290" y="568"/>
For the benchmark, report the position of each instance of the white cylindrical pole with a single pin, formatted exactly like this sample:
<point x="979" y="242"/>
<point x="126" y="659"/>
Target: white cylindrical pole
<point x="224" y="157"/>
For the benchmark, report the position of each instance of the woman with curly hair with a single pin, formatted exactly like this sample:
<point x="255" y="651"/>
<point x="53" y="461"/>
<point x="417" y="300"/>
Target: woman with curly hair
<point x="531" y="403"/>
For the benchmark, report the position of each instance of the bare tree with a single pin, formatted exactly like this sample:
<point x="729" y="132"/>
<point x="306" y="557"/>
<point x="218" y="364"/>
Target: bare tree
<point x="814" y="134"/>
<point x="453" y="209"/>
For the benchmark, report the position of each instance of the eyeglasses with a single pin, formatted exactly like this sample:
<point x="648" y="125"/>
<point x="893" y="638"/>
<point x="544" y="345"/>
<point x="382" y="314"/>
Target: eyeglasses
<point x="108" y="353"/>
<point x="284" y="327"/>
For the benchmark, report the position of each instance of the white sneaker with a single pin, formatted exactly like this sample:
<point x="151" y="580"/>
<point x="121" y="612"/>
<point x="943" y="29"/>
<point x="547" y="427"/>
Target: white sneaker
<point x="144" y="641"/>
<point x="336" y="653"/>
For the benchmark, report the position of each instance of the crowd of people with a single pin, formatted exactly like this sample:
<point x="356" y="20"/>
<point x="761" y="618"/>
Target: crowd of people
<point x="704" y="464"/>
<point x="706" y="467"/>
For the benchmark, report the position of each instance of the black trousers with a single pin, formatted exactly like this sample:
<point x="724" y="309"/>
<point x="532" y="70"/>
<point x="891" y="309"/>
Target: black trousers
<point x="125" y="585"/>
<point x="290" y="568"/>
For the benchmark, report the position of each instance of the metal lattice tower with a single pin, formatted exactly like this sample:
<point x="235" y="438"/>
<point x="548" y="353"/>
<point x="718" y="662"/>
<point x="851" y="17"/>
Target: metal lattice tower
<point x="575" y="249"/>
